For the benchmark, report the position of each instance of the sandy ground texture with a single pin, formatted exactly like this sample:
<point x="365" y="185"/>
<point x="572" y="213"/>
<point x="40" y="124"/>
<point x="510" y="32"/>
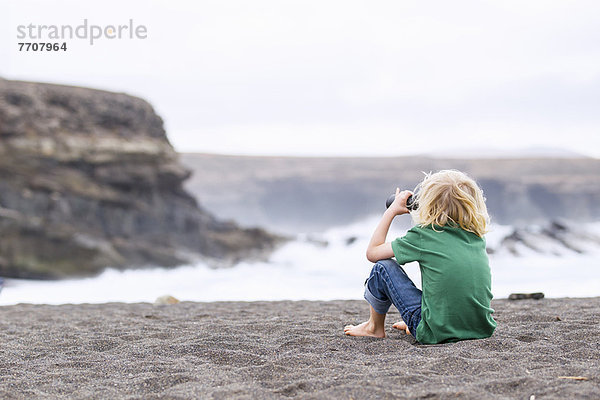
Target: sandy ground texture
<point x="547" y="348"/>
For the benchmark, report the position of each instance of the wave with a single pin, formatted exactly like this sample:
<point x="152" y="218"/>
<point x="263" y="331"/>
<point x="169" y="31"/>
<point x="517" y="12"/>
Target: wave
<point x="332" y="265"/>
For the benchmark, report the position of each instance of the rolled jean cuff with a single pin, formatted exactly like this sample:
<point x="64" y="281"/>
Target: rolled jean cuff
<point x="380" y="306"/>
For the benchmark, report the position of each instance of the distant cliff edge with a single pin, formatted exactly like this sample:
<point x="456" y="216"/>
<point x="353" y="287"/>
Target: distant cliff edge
<point x="88" y="179"/>
<point x="295" y="194"/>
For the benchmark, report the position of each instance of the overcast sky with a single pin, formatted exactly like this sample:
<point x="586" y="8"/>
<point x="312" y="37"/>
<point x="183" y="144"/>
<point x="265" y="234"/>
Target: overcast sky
<point x="338" y="77"/>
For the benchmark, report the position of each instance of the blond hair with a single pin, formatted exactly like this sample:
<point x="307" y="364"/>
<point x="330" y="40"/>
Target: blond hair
<point x="450" y="197"/>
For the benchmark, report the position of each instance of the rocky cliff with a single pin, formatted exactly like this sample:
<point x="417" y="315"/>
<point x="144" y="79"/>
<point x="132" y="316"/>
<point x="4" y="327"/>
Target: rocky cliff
<point x="88" y="180"/>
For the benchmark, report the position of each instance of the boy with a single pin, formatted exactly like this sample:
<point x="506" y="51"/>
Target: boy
<point x="448" y="243"/>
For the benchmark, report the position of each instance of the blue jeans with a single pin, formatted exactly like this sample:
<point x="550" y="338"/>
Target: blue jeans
<point x="388" y="284"/>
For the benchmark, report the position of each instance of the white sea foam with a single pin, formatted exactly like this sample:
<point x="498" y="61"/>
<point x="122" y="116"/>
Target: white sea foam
<point x="307" y="269"/>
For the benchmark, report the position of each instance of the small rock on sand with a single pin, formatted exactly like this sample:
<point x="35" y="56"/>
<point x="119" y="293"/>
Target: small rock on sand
<point x="165" y="300"/>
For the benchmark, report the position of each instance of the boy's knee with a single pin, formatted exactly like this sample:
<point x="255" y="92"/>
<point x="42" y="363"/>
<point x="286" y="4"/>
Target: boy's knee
<point x="385" y="264"/>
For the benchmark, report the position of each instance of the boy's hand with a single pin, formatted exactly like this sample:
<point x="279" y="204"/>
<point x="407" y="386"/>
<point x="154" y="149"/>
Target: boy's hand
<point x="398" y="207"/>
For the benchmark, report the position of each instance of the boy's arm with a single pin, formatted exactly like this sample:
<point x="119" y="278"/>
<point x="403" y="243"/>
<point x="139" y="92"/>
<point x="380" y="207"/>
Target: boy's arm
<point x="378" y="248"/>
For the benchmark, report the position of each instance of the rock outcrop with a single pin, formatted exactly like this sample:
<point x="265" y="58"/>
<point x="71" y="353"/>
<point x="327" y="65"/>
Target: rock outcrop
<point x="88" y="179"/>
<point x="555" y="238"/>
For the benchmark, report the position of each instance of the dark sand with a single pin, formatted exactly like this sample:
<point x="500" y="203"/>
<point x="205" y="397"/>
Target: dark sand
<point x="290" y="349"/>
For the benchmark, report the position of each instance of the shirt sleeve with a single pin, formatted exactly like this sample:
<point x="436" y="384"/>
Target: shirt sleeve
<point x="408" y="247"/>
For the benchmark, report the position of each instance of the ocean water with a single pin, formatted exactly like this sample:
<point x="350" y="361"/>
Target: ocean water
<point x="324" y="266"/>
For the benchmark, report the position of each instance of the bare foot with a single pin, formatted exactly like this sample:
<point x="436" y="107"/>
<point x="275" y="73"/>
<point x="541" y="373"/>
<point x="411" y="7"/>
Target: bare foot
<point x="364" y="329"/>
<point x="401" y="326"/>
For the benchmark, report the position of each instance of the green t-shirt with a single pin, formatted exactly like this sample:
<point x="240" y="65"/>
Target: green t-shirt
<point x="456" y="283"/>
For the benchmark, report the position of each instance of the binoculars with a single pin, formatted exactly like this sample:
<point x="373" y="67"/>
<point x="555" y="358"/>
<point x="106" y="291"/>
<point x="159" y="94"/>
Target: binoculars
<point x="411" y="204"/>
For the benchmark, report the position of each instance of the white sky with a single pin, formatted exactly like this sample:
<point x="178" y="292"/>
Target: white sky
<point x="336" y="77"/>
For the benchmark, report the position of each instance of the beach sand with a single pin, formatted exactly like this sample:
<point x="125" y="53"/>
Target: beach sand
<point x="291" y="350"/>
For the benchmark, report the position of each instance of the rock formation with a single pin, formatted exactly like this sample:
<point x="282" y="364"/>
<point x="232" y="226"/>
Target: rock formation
<point x="88" y="179"/>
<point x="555" y="238"/>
